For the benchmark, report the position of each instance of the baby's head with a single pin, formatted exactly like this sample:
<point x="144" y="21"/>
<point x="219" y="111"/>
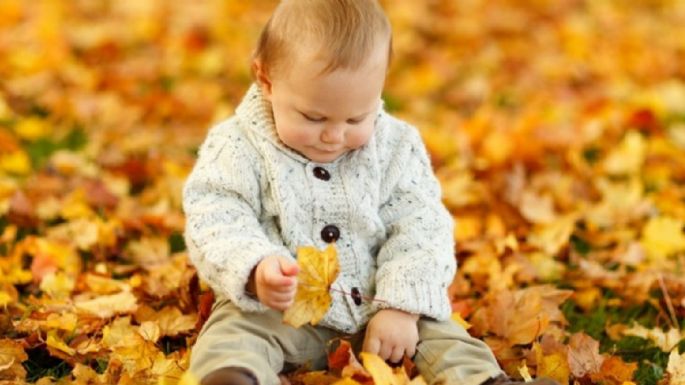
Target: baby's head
<point x="322" y="65"/>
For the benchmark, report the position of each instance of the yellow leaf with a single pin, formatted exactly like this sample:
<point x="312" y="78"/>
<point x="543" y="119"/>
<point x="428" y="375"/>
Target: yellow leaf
<point x="318" y="270"/>
<point x="664" y="340"/>
<point x="380" y="371"/>
<point x="56" y="342"/>
<point x="149" y="330"/>
<point x="553" y="236"/>
<point x="663" y="237"/>
<point x="187" y="379"/>
<point x="104" y="285"/>
<point x="58" y="285"/>
<point x="12" y="354"/>
<point x="120" y="333"/>
<point x="537" y="208"/>
<point x="676" y="367"/>
<point x="63" y="321"/>
<point x="546" y="267"/>
<point x="523" y="371"/>
<point x="346" y="381"/>
<point x="75" y="206"/>
<point x="5" y="299"/>
<point x="32" y="129"/>
<point x="456" y="317"/>
<point x="108" y="305"/>
<point x="628" y="157"/>
<point x="553" y="365"/>
<point x="15" y="162"/>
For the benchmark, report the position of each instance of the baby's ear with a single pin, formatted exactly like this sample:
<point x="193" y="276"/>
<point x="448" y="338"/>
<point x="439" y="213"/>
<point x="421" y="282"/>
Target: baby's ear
<point x="262" y="77"/>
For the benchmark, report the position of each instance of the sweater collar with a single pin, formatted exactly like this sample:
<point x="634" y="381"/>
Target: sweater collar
<point x="255" y="112"/>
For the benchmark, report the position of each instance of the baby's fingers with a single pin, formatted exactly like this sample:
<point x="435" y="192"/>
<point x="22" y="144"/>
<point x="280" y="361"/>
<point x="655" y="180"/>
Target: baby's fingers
<point x="277" y="281"/>
<point x="371" y="345"/>
<point x="397" y="354"/>
<point x="279" y="305"/>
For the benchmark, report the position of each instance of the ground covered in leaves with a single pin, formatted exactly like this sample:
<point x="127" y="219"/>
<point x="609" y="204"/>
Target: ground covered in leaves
<point x="557" y="130"/>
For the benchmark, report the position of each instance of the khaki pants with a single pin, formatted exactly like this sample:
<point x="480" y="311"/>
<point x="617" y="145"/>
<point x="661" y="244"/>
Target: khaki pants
<point x="261" y="343"/>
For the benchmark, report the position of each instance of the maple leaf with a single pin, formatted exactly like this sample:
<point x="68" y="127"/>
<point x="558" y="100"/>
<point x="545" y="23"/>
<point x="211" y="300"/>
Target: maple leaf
<point x="583" y="355"/>
<point x="318" y="271"/>
<point x="552" y="364"/>
<point x="663" y="236"/>
<point x="12" y="354"/>
<point x="520" y="316"/>
<point x="666" y="341"/>
<point x="615" y="371"/>
<point x="344" y="362"/>
<point x="108" y="305"/>
<point x="383" y="374"/>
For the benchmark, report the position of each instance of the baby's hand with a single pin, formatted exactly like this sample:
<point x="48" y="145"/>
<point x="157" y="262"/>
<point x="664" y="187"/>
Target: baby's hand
<point x="275" y="282"/>
<point x="391" y="334"/>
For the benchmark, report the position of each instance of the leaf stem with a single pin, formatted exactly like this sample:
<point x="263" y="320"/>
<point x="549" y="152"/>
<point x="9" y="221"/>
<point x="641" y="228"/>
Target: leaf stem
<point x="363" y="297"/>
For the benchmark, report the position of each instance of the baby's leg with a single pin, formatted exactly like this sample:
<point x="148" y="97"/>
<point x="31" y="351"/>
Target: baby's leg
<point x="256" y="342"/>
<point x="447" y="354"/>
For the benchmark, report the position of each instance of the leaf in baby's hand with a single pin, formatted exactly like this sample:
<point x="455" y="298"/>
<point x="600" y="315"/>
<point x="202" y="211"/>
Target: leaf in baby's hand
<point x="318" y="270"/>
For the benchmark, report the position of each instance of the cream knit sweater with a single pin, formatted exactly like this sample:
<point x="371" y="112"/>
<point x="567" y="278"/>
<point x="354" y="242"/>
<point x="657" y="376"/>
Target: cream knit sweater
<point x="249" y="196"/>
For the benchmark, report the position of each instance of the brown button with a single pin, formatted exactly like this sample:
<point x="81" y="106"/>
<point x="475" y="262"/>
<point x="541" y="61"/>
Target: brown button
<point x="356" y="296"/>
<point x="330" y="233"/>
<point x="321" y="173"/>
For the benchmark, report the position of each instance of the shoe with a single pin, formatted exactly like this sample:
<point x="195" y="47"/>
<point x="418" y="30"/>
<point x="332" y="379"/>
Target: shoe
<point x="504" y="380"/>
<point x="229" y="376"/>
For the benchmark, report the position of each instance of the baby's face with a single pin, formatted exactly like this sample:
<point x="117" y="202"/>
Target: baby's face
<point x="324" y="116"/>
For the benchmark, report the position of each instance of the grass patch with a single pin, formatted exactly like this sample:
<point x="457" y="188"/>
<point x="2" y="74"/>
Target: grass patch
<point x="41" y="364"/>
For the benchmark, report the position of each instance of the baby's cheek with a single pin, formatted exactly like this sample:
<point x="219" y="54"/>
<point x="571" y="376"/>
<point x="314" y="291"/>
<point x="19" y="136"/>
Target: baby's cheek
<point x="360" y="137"/>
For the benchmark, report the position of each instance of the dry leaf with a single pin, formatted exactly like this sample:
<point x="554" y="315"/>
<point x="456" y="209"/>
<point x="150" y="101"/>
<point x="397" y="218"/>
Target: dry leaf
<point x="12" y="354"/>
<point x="108" y="305"/>
<point x="318" y="270"/>
<point x="583" y="355"/>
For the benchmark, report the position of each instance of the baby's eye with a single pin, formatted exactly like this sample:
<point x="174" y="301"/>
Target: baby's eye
<point x="313" y="119"/>
<point x="354" y="121"/>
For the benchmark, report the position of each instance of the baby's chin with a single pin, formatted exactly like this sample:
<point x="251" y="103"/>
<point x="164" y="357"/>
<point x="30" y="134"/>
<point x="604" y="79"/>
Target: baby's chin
<point x="323" y="157"/>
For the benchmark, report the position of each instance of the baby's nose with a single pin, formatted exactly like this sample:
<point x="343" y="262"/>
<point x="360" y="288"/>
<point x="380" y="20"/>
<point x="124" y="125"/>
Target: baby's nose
<point x="333" y="135"/>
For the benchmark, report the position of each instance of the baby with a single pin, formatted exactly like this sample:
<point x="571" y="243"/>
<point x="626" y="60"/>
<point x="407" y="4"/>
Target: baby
<point x="311" y="158"/>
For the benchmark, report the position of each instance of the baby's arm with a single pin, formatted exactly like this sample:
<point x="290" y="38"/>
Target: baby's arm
<point x="416" y="263"/>
<point x="221" y="200"/>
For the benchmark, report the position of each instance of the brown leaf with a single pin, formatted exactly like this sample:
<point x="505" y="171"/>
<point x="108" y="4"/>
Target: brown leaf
<point x="583" y="355"/>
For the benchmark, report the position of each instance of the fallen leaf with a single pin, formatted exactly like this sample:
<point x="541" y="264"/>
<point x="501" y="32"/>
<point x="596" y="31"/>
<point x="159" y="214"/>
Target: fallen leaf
<point x="662" y="237"/>
<point x="666" y="341"/>
<point x="615" y="371"/>
<point x="318" y="270"/>
<point x="108" y="305"/>
<point x="12" y="354"/>
<point x="676" y="368"/>
<point x="553" y="365"/>
<point x="583" y="355"/>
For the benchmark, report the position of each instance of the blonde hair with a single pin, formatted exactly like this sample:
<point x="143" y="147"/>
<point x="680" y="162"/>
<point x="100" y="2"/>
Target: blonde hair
<point x="345" y="32"/>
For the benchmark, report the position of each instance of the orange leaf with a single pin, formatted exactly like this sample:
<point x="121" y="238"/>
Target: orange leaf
<point x="614" y="371"/>
<point x="318" y="270"/>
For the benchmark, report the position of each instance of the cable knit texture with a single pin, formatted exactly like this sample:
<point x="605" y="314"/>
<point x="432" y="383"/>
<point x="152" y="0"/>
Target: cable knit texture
<point x="250" y="196"/>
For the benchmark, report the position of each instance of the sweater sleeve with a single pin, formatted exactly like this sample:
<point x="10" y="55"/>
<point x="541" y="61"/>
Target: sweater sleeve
<point x="221" y="203"/>
<point x="416" y="263"/>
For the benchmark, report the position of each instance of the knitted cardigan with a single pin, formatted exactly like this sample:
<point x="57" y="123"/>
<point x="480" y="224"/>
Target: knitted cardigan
<point x="250" y="196"/>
